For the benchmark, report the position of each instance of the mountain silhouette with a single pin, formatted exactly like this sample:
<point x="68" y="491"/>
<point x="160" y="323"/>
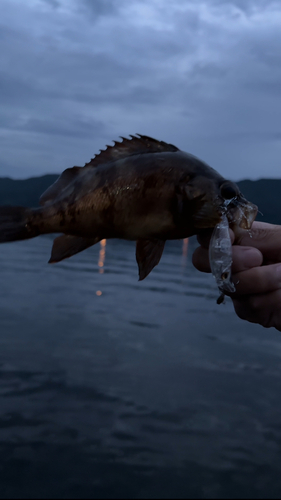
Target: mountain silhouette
<point x="265" y="193"/>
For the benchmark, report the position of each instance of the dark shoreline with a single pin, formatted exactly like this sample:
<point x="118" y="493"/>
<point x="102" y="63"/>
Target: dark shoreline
<point x="265" y="193"/>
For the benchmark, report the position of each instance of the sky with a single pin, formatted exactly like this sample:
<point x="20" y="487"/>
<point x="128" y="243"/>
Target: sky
<point x="204" y="75"/>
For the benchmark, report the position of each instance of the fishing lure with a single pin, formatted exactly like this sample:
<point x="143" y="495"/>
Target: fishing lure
<point x="220" y="257"/>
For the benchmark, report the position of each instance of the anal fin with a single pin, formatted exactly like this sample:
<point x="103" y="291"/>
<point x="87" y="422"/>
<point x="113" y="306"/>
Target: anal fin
<point x="66" y="245"/>
<point x="148" y="255"/>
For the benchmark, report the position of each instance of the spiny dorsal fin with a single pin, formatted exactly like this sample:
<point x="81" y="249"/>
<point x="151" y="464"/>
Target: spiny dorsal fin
<point x="128" y="147"/>
<point x="61" y="183"/>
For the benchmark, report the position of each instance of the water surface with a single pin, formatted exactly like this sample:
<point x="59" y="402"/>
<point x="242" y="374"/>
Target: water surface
<point x="116" y="388"/>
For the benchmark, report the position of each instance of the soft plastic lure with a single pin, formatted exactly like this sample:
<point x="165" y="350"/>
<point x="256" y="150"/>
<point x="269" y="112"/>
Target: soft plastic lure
<point x="220" y="256"/>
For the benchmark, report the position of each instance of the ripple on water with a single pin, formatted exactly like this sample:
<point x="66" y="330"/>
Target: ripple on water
<point x="150" y="384"/>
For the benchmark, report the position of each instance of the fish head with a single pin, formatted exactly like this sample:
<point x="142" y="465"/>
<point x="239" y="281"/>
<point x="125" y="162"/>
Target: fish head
<point x="225" y="284"/>
<point x="240" y="212"/>
<point x="226" y="281"/>
<point x="217" y="197"/>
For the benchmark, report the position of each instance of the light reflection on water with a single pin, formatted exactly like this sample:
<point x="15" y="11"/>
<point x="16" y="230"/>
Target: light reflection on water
<point x="150" y="389"/>
<point x="102" y="256"/>
<point x="184" y="252"/>
<point x="101" y="262"/>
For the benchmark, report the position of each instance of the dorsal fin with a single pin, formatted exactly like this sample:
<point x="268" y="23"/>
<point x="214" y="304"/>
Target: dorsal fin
<point x="128" y="147"/>
<point x="61" y="183"/>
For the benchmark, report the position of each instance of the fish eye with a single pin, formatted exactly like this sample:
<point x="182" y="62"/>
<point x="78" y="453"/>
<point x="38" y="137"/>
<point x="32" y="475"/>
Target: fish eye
<point x="224" y="276"/>
<point x="229" y="190"/>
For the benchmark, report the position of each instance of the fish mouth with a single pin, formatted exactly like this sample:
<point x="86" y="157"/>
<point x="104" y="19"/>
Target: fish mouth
<point x="240" y="212"/>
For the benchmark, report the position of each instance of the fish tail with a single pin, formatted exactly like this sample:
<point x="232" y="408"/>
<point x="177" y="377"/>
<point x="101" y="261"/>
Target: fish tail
<point x="16" y="224"/>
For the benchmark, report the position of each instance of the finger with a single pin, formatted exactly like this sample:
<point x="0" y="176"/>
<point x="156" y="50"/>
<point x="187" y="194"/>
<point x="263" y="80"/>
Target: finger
<point x="200" y="260"/>
<point x="245" y="258"/>
<point x="262" y="279"/>
<point x="260" y="308"/>
<point x="204" y="237"/>
<point x="266" y="237"/>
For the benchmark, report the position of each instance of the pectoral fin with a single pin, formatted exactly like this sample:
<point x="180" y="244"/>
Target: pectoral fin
<point x="148" y="254"/>
<point x="65" y="246"/>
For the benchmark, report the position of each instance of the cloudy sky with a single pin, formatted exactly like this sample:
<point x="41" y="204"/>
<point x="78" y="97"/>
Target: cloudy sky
<point x="204" y="75"/>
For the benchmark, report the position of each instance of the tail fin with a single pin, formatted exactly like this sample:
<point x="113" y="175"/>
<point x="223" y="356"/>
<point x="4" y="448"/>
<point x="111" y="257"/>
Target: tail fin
<point x="14" y="224"/>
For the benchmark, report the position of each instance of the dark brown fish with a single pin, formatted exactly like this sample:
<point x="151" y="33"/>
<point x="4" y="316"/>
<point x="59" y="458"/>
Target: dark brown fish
<point x="139" y="189"/>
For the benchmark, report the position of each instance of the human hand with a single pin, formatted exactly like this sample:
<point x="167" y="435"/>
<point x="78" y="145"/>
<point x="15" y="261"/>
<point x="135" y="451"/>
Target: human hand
<point x="256" y="273"/>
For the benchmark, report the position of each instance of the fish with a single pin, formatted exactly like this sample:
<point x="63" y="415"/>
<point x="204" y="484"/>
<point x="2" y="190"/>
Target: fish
<point x="139" y="189"/>
<point x="220" y="257"/>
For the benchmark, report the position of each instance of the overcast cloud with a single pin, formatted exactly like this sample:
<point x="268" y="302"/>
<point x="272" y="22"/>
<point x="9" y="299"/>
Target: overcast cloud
<point x="204" y="75"/>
